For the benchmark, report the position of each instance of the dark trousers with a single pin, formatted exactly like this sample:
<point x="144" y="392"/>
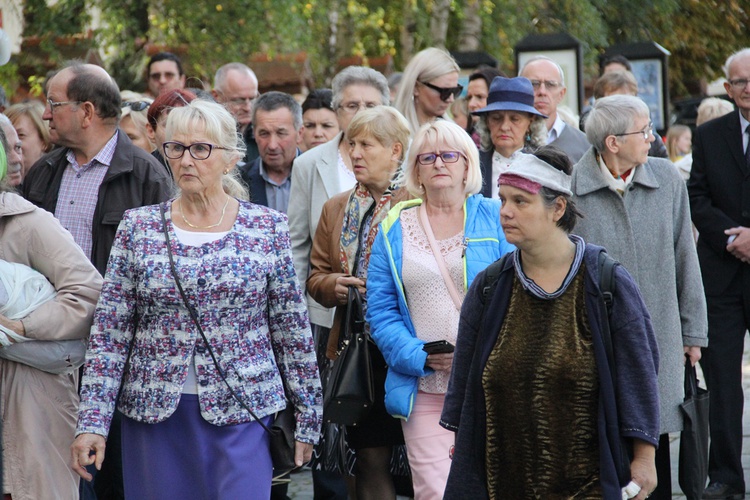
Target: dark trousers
<point x="107" y="483"/>
<point x="728" y="319"/>
<point x="663" y="489"/>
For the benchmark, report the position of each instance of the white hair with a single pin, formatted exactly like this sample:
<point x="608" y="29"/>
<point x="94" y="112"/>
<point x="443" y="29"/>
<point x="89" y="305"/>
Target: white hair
<point x="737" y="55"/>
<point x="545" y="58"/>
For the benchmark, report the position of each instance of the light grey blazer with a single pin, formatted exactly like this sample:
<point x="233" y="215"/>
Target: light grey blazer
<point x="315" y="179"/>
<point x="648" y="230"/>
<point x="573" y="142"/>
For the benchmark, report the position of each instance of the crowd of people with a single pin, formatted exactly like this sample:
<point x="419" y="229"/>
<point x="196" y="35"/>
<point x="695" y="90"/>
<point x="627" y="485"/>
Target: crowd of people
<point x="177" y="265"/>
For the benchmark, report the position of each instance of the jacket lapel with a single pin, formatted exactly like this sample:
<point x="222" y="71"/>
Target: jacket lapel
<point x="733" y="138"/>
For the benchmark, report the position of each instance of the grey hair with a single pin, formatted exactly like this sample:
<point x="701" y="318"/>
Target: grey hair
<point x="425" y="66"/>
<point x="613" y="115"/>
<point x="712" y="107"/>
<point x="737" y="55"/>
<point x="545" y="58"/>
<point x="359" y="75"/>
<point x="271" y="101"/>
<point x="220" y="78"/>
<point x="4" y="120"/>
<point x="537" y="136"/>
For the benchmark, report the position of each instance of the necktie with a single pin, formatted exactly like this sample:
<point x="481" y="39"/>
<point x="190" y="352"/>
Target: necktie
<point x="747" y="149"/>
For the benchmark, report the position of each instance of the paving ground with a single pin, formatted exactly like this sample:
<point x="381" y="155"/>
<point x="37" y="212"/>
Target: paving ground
<point x="301" y="487"/>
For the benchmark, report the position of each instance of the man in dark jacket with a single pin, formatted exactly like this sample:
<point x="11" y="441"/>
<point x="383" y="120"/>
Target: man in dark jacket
<point x="88" y="183"/>
<point x="97" y="173"/>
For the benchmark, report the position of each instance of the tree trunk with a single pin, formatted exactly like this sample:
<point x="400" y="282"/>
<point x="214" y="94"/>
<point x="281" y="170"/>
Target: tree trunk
<point x="408" y="27"/>
<point x="439" y="22"/>
<point x="471" y="29"/>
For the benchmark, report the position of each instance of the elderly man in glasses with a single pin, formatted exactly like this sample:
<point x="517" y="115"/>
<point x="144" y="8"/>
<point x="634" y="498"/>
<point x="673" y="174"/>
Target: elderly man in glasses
<point x="236" y="87"/>
<point x="88" y="182"/>
<point x="548" y="81"/>
<point x="719" y="187"/>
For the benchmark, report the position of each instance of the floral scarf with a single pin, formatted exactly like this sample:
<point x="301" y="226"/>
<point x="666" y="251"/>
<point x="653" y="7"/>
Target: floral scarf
<point x="362" y="213"/>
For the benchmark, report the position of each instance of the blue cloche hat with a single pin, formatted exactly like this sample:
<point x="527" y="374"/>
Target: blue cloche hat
<point x="510" y="94"/>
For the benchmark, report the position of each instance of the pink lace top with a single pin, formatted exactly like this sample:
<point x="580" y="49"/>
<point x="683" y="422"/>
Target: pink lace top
<point x="432" y="310"/>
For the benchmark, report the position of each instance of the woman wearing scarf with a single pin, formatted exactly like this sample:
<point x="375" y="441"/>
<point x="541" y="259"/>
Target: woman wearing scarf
<point x="378" y="139"/>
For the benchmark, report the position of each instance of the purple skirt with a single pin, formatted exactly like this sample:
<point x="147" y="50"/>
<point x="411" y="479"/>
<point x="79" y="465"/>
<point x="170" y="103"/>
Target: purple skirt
<point x="186" y="457"/>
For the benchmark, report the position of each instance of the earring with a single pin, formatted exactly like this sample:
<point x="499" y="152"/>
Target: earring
<point x="226" y="171"/>
<point x="528" y="137"/>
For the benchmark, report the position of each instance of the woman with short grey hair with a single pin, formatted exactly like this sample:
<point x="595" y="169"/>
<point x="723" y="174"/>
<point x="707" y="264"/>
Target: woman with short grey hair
<point x="637" y="207"/>
<point x="318" y="175"/>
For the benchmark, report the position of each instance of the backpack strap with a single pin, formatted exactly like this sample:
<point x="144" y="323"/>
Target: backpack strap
<point x="491" y="275"/>
<point x="607" y="266"/>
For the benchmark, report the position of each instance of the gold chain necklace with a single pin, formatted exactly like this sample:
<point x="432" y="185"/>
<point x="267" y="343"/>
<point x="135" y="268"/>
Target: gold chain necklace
<point x="223" y="211"/>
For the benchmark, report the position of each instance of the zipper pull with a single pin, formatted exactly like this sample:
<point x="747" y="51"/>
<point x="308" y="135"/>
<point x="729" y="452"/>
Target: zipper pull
<point x="466" y="244"/>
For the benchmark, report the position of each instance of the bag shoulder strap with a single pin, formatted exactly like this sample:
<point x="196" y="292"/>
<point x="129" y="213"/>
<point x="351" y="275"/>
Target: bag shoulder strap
<point x="194" y="317"/>
<point x="607" y="267"/>
<point x="439" y="258"/>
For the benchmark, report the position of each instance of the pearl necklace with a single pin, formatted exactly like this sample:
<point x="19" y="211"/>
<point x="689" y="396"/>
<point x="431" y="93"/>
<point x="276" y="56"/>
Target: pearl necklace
<point x="223" y="212"/>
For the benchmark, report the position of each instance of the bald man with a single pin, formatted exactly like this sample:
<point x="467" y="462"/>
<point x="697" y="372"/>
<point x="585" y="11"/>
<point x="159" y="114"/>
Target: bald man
<point x="548" y="80"/>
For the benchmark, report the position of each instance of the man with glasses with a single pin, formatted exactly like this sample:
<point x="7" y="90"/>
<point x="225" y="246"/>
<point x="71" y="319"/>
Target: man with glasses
<point x="236" y="87"/>
<point x="164" y="72"/>
<point x="88" y="183"/>
<point x="548" y="81"/>
<point x="277" y="120"/>
<point x="719" y="188"/>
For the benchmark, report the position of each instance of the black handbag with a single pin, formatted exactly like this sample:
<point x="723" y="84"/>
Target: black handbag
<point x="350" y="394"/>
<point x="693" y="468"/>
<point x="282" y="428"/>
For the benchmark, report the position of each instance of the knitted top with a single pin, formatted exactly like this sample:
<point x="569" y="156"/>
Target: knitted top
<point x="434" y="315"/>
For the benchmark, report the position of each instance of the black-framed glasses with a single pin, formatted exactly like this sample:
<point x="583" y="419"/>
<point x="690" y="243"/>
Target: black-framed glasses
<point x="198" y="150"/>
<point x="446" y="156"/>
<point x="54" y="105"/>
<point x="136" y="105"/>
<point x="445" y="92"/>
<point x="645" y="132"/>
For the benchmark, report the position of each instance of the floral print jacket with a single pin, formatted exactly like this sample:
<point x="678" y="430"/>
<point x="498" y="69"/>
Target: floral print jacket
<point x="247" y="298"/>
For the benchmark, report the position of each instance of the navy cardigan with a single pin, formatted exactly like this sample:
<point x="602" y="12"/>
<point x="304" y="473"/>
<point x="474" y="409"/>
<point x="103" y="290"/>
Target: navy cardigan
<point x="628" y="409"/>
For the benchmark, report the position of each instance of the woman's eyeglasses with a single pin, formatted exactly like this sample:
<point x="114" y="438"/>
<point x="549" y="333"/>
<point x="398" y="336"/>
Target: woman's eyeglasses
<point x="445" y="93"/>
<point x="136" y="105"/>
<point x="198" y="150"/>
<point x="446" y="156"/>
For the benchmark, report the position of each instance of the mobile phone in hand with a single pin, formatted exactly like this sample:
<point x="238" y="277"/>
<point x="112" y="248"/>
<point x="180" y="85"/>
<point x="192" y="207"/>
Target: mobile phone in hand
<point x="438" y="347"/>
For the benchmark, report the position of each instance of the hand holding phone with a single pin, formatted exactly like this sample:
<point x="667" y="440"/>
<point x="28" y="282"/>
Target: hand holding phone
<point x="438" y="347"/>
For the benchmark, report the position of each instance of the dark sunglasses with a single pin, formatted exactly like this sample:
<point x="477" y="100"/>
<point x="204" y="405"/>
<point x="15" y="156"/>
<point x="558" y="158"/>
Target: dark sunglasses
<point x="445" y="93"/>
<point x="136" y="105"/>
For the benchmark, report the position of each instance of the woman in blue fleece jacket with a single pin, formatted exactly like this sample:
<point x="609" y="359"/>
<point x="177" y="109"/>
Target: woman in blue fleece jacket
<point x="411" y="301"/>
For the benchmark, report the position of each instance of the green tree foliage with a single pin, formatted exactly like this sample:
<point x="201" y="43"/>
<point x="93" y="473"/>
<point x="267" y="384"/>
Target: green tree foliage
<point x="699" y="33"/>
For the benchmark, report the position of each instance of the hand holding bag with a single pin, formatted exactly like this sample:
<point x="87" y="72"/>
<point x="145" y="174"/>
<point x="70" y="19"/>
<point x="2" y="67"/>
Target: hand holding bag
<point x="350" y="394"/>
<point x="693" y="469"/>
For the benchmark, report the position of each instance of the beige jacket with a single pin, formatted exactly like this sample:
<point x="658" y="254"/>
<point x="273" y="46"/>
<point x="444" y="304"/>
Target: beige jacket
<point x="39" y="409"/>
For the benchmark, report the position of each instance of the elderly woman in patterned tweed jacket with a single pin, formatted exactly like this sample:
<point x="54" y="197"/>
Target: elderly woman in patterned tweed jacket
<point x="184" y="434"/>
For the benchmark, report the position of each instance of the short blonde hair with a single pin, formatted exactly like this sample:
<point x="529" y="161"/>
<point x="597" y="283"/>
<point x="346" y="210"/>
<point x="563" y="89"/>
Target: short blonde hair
<point x="447" y="133"/>
<point x="712" y="107"/>
<point x="220" y="128"/>
<point x="425" y="66"/>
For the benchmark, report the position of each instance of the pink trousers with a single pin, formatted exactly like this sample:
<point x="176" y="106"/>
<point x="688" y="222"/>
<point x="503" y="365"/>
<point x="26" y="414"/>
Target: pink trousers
<point x="428" y="446"/>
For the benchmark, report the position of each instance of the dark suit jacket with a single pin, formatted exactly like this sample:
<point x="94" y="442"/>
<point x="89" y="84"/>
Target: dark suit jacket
<point x="719" y="189"/>
<point x="250" y="173"/>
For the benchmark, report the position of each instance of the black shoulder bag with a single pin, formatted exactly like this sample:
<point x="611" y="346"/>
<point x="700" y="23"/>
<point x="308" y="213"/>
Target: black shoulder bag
<point x="282" y="428"/>
<point x="350" y="394"/>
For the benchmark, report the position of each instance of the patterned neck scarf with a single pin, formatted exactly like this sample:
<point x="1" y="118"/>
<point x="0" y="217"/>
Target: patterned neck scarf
<point x="362" y="212"/>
